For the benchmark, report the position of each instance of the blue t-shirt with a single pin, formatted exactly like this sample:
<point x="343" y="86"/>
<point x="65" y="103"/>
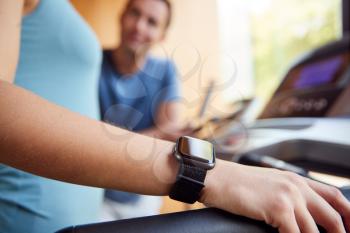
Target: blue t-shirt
<point x="60" y="61"/>
<point x="132" y="101"/>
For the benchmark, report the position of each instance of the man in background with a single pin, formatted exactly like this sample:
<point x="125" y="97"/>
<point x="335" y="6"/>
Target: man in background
<point x="140" y="92"/>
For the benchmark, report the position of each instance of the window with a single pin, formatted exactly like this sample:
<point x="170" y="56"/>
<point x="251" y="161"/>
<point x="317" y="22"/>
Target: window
<point x="278" y="32"/>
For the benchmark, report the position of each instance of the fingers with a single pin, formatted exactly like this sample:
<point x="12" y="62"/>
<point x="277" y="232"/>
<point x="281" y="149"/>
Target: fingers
<point x="288" y="223"/>
<point x="335" y="199"/>
<point x="283" y="212"/>
<point x="318" y="203"/>
<point x="305" y="220"/>
<point x="324" y="214"/>
<point x="295" y="203"/>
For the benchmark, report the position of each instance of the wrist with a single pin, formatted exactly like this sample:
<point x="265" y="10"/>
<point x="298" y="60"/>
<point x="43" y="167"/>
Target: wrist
<point x="165" y="167"/>
<point x="216" y="183"/>
<point x="195" y="157"/>
<point x="211" y="185"/>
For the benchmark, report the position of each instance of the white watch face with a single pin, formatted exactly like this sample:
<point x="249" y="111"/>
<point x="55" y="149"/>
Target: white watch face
<point x="196" y="149"/>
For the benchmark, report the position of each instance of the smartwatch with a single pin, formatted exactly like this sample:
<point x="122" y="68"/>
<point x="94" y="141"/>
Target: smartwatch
<point x="195" y="158"/>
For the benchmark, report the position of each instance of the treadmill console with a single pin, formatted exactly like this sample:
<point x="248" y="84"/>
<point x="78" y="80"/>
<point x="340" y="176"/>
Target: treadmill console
<point x="313" y="86"/>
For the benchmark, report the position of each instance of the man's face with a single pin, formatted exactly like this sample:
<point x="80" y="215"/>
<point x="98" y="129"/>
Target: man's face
<point x="143" y="24"/>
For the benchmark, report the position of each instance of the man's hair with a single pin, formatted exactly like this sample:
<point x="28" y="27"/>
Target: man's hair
<point x="168" y="5"/>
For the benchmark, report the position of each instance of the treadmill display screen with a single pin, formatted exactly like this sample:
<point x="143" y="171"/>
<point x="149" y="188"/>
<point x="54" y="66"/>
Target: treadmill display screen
<point x="317" y="86"/>
<point x="318" y="73"/>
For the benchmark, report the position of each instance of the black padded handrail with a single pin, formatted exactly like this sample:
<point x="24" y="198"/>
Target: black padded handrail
<point x="195" y="221"/>
<point x="208" y="220"/>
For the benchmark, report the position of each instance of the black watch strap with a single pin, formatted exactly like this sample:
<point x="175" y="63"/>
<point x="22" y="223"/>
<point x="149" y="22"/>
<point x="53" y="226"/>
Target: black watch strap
<point x="189" y="183"/>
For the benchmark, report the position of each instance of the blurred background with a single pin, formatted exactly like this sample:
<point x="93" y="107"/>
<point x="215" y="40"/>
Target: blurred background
<point x="246" y="47"/>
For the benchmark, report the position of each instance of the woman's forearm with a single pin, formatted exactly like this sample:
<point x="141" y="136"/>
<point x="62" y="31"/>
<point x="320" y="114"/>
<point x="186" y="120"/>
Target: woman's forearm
<point x="42" y="138"/>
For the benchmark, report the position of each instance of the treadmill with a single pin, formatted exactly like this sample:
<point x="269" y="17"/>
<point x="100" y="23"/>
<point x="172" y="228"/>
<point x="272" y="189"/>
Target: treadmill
<point x="306" y="123"/>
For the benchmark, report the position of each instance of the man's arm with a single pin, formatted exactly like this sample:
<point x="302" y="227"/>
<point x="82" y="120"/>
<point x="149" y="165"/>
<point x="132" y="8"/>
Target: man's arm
<point x="169" y="116"/>
<point x="168" y="122"/>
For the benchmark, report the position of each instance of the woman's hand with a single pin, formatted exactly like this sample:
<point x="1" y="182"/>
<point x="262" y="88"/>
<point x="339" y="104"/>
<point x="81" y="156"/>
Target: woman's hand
<point x="283" y="200"/>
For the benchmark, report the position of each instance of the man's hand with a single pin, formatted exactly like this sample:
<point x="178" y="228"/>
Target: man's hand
<point x="172" y="134"/>
<point x="168" y="132"/>
<point x="283" y="200"/>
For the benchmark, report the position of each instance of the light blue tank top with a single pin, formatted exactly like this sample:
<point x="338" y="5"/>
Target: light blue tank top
<point x="59" y="61"/>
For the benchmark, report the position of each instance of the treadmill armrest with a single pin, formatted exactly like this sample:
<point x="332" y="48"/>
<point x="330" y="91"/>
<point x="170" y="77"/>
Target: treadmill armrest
<point x="207" y="220"/>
